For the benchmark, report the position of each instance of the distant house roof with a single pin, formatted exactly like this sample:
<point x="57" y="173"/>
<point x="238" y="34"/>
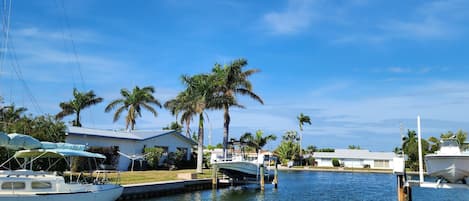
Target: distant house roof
<point x="355" y="154"/>
<point x="139" y="135"/>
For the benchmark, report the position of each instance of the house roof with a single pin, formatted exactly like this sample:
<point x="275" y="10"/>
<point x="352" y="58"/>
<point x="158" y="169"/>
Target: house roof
<point x="355" y="154"/>
<point x="139" y="135"/>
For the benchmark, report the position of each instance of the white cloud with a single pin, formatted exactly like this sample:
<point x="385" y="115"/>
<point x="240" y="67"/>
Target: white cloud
<point x="398" y="70"/>
<point x="296" y="17"/>
<point x="428" y="28"/>
<point x="332" y="88"/>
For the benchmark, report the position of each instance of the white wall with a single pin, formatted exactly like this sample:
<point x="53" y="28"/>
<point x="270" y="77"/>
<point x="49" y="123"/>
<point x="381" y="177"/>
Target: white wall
<point x="172" y="141"/>
<point x="355" y="163"/>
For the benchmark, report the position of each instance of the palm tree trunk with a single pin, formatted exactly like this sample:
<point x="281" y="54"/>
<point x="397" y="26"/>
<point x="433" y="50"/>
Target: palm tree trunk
<point x="188" y="133"/>
<point x="77" y="123"/>
<point x="200" y="145"/>
<point x="226" y="126"/>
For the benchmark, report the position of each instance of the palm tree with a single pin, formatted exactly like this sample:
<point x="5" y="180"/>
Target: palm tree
<point x="257" y="141"/>
<point x="10" y="114"/>
<point x="302" y="119"/>
<point x="411" y="138"/>
<point x="291" y="136"/>
<point x="231" y="81"/>
<point x="173" y="126"/>
<point x="81" y="101"/>
<point x="199" y="93"/>
<point x="182" y="104"/>
<point x="410" y="147"/>
<point x="133" y="102"/>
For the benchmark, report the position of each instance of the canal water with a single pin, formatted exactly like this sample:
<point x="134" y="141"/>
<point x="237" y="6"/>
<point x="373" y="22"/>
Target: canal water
<point x="308" y="185"/>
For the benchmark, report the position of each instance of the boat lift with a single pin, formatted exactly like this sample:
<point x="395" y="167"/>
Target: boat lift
<point x="404" y="186"/>
<point x="259" y="178"/>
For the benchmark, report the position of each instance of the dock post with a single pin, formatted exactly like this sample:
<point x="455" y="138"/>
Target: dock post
<point x="275" y="176"/>
<point x="262" y="176"/>
<point x="214" y="176"/>
<point x="409" y="193"/>
<point x="400" y="187"/>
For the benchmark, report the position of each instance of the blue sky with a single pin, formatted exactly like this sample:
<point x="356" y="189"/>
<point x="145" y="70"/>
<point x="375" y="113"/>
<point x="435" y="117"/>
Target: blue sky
<point x="358" y="67"/>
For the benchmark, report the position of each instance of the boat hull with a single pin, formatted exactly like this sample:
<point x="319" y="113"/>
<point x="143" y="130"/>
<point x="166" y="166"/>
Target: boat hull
<point x="241" y="169"/>
<point x="99" y="193"/>
<point x="453" y="168"/>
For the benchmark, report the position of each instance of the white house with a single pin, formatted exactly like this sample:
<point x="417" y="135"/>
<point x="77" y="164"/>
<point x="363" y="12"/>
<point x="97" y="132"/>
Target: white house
<point x="132" y="142"/>
<point x="356" y="158"/>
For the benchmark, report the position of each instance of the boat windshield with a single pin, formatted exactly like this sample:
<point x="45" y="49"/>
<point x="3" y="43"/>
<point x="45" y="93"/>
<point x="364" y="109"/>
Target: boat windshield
<point x="450" y="143"/>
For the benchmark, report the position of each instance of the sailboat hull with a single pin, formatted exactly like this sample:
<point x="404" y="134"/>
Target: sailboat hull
<point x="453" y="168"/>
<point x="99" y="193"/>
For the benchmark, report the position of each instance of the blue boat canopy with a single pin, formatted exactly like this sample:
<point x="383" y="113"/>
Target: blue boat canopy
<point x="56" y="153"/>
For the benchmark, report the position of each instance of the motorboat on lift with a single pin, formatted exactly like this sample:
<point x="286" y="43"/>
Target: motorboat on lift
<point x="25" y="184"/>
<point x="239" y="165"/>
<point x="449" y="162"/>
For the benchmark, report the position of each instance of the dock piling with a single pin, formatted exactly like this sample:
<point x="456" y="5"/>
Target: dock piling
<point x="262" y="177"/>
<point x="400" y="187"/>
<point x="275" y="176"/>
<point x="214" y="176"/>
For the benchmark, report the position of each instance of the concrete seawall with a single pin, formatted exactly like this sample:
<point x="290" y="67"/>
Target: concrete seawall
<point x="155" y="189"/>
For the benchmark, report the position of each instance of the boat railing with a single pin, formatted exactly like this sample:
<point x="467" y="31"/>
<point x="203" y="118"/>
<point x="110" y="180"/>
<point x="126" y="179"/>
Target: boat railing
<point x="93" y="177"/>
<point x="102" y="177"/>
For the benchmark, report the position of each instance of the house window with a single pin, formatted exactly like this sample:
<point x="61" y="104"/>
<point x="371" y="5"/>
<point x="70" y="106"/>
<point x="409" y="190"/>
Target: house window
<point x="13" y="185"/>
<point x="41" y="185"/>
<point x="381" y="163"/>
<point x="184" y="152"/>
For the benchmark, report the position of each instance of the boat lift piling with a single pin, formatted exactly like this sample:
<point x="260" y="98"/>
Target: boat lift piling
<point x="214" y="176"/>
<point x="262" y="183"/>
<point x="275" y="181"/>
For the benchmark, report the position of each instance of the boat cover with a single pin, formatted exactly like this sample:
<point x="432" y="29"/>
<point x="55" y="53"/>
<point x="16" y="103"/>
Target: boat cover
<point x="20" y="141"/>
<point x="56" y="153"/>
<point x="4" y="139"/>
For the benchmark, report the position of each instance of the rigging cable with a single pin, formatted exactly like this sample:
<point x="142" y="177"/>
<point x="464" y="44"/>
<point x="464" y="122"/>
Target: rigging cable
<point x="74" y="49"/>
<point x="66" y="47"/>
<point x="19" y="74"/>
<point x="6" y="30"/>
<point x="67" y="23"/>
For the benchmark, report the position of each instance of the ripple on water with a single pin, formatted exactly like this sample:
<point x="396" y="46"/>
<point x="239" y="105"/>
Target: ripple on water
<point x="324" y="186"/>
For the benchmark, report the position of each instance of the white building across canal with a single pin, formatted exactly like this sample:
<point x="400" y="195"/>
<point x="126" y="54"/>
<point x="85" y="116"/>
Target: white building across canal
<point x="356" y="158"/>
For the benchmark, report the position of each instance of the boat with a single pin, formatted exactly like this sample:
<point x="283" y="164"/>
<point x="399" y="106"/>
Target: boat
<point x="449" y="163"/>
<point x="26" y="184"/>
<point x="239" y="165"/>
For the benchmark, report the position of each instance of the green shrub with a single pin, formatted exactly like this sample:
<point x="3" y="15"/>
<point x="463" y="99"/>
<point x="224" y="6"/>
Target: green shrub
<point x="335" y="162"/>
<point x="153" y="156"/>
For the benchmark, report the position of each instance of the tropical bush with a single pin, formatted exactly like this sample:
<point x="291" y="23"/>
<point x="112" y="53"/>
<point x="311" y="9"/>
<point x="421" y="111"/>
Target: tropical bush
<point x="310" y="161"/>
<point x="335" y="162"/>
<point x="153" y="156"/>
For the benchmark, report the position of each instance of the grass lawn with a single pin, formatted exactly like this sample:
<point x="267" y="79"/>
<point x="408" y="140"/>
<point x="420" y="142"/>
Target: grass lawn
<point x="155" y="176"/>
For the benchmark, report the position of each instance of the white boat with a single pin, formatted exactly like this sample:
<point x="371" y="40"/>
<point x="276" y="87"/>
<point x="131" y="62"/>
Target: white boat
<point x="449" y="162"/>
<point x="26" y="185"/>
<point x="240" y="166"/>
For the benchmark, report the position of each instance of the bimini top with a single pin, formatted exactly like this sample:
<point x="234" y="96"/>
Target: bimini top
<point x="56" y="153"/>
<point x="33" y="148"/>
